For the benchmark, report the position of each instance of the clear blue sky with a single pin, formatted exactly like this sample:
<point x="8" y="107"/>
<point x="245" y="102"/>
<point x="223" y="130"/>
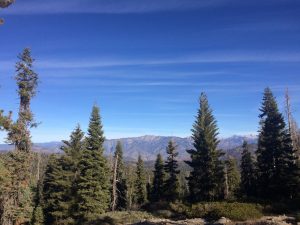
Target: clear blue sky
<point x="145" y="62"/>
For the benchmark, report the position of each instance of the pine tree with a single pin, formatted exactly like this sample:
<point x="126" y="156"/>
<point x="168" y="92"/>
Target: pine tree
<point x="247" y="172"/>
<point x="121" y="184"/>
<point x="275" y="154"/>
<point x="93" y="187"/>
<point x="157" y="191"/>
<point x="27" y="81"/>
<point x="205" y="180"/>
<point x="233" y="177"/>
<point x="171" y="187"/>
<point x="140" y="183"/>
<point x="61" y="176"/>
<point x="19" y="200"/>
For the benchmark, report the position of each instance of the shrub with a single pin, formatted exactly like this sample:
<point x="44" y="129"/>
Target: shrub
<point x="164" y="213"/>
<point x="119" y="217"/>
<point x="215" y="210"/>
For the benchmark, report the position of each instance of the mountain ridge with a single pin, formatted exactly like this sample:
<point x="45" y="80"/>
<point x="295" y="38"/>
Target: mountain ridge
<point x="150" y="145"/>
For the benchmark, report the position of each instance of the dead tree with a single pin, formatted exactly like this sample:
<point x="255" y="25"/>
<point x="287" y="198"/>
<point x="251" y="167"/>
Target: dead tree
<point x="114" y="185"/>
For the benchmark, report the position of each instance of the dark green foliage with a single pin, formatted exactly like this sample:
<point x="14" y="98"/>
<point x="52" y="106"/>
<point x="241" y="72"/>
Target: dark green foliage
<point x="157" y="192"/>
<point x="275" y="154"/>
<point x="38" y="216"/>
<point x="215" y="210"/>
<point x="248" y="184"/>
<point x="95" y="138"/>
<point x="60" y="181"/>
<point x="206" y="177"/>
<point x="27" y="81"/>
<point x="140" y="183"/>
<point x="58" y="194"/>
<point x="171" y="187"/>
<point x="93" y="189"/>
<point x="233" y="177"/>
<point x="121" y="181"/>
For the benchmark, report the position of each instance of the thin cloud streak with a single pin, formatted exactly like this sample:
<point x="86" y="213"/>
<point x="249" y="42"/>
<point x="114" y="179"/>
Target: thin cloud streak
<point x="205" y="58"/>
<point x="196" y="59"/>
<point x="108" y="6"/>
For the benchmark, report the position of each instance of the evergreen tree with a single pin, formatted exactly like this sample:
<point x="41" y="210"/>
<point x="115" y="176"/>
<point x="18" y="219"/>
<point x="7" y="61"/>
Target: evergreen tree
<point x="247" y="172"/>
<point x="140" y="183"/>
<point x="171" y="187"/>
<point x="233" y="177"/>
<point x="61" y="176"/>
<point x="121" y="184"/>
<point x="38" y="216"/>
<point x="57" y="191"/>
<point x="27" y="81"/>
<point x="158" y="180"/>
<point x="19" y="201"/>
<point x="205" y="180"/>
<point x="93" y="187"/>
<point x="275" y="154"/>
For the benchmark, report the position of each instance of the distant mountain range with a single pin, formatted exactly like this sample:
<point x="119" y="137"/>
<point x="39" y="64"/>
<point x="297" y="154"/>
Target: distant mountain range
<point x="149" y="146"/>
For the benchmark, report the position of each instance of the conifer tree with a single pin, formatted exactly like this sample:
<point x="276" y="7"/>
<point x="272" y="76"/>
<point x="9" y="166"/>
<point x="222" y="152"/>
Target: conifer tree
<point x="18" y="134"/>
<point x="140" y="183"/>
<point x="121" y="184"/>
<point x="275" y="154"/>
<point x="205" y="180"/>
<point x="171" y="187"/>
<point x="158" y="180"/>
<point x="93" y="187"/>
<point x="60" y="181"/>
<point x="247" y="172"/>
<point x="233" y="177"/>
<point x="27" y="81"/>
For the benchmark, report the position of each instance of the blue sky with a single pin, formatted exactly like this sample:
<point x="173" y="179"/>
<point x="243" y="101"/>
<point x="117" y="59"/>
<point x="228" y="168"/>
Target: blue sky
<point x="145" y="62"/>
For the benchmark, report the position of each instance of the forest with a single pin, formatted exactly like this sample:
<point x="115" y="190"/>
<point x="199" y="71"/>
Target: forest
<point x="81" y="185"/>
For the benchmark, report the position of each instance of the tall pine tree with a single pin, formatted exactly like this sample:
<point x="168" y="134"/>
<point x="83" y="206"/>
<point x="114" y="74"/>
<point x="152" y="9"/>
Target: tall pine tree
<point x="140" y="183"/>
<point x="93" y="186"/>
<point x="248" y="185"/>
<point x="157" y="191"/>
<point x="275" y="153"/>
<point x="20" y="197"/>
<point x="205" y="180"/>
<point x="171" y="187"/>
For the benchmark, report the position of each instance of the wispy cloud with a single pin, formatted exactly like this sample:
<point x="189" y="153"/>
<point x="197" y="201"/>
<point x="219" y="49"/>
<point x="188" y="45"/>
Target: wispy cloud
<point x="209" y="57"/>
<point x="107" y="6"/>
<point x="215" y="57"/>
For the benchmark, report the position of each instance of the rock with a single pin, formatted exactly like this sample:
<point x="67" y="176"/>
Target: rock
<point x="223" y="220"/>
<point x="172" y="222"/>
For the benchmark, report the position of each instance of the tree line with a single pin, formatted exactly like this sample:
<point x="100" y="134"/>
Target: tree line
<point x="77" y="186"/>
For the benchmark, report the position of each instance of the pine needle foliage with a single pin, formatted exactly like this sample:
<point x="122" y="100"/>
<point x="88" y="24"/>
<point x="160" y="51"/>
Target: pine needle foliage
<point x="171" y="186"/>
<point x="275" y="154"/>
<point x="206" y="178"/>
<point x="93" y="186"/>
<point x="157" y="192"/>
<point x="140" y="193"/>
<point x="248" y="182"/>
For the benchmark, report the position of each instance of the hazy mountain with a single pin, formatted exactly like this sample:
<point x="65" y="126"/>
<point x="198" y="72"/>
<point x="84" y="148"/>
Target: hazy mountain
<point x="149" y="146"/>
